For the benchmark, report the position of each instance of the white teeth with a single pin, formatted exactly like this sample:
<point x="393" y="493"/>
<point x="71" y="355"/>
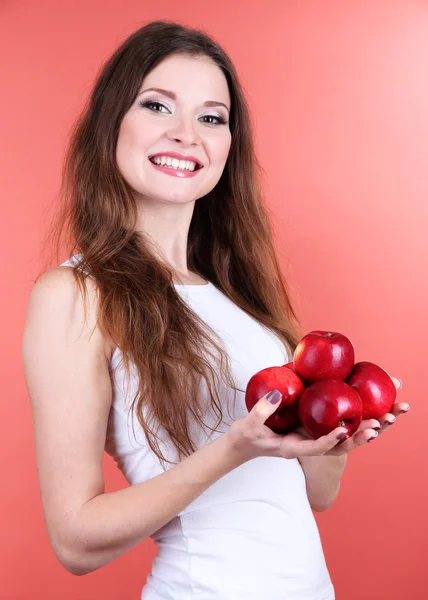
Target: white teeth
<point x="173" y="163"/>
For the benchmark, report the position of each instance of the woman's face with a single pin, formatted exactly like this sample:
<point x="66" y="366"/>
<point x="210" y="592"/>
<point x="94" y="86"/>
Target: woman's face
<point x="157" y="123"/>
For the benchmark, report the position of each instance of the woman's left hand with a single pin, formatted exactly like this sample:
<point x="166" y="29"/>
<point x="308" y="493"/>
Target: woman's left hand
<point x="369" y="429"/>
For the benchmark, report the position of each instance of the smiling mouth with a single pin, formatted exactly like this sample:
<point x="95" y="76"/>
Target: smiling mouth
<point x="197" y="167"/>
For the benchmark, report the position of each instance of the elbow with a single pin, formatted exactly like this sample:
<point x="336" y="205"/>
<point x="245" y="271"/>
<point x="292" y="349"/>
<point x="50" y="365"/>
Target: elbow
<point x="73" y="565"/>
<point x="69" y="550"/>
<point x="321" y="507"/>
<point x="323" y="502"/>
<point x="76" y="568"/>
<point x="74" y="562"/>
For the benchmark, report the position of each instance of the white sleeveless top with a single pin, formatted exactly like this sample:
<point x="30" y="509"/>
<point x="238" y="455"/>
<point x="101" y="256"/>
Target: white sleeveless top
<point x="251" y="535"/>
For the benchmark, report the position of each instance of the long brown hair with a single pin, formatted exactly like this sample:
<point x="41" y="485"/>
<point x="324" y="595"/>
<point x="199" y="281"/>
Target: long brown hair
<point x="229" y="243"/>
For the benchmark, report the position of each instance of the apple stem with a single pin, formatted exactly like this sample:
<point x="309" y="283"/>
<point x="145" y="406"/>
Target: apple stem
<point x="329" y="334"/>
<point x="341" y="424"/>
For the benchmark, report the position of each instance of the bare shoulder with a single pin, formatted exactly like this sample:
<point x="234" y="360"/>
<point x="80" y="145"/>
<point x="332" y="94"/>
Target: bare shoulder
<point x="57" y="293"/>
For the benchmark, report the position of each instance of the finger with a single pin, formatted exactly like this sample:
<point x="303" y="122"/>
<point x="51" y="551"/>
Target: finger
<point x="358" y="439"/>
<point x="386" y="420"/>
<point x="309" y="447"/>
<point x="400" y="408"/>
<point x="369" y="424"/>
<point x="266" y="406"/>
<point x="362" y="437"/>
<point x="397" y="382"/>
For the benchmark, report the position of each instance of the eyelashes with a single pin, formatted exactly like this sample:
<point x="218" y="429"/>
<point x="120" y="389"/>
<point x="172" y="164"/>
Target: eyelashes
<point x="148" y="104"/>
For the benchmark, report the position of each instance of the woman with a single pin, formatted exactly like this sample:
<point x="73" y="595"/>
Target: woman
<point x="173" y="274"/>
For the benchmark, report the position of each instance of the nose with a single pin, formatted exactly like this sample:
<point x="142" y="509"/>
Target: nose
<point x="184" y="131"/>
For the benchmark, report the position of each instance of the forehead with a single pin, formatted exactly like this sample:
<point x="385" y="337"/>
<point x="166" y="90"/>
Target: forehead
<point x="189" y="76"/>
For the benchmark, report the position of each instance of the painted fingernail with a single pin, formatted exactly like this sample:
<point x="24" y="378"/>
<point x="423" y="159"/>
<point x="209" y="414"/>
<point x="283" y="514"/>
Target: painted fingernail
<point x="341" y="435"/>
<point x="274" y="396"/>
<point x="404" y="410"/>
<point x="376" y="428"/>
<point x="372" y="439"/>
<point x="390" y="422"/>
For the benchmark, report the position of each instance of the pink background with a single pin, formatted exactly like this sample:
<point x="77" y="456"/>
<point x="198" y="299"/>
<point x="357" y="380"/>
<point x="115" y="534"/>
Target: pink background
<point x="339" y="94"/>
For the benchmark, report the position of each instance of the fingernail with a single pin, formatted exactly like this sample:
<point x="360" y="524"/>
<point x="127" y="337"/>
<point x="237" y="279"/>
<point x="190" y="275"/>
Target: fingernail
<point x="404" y="410"/>
<point x="274" y="396"/>
<point x="390" y="422"/>
<point x="400" y="383"/>
<point x="376" y="428"/>
<point x="372" y="439"/>
<point x="341" y="435"/>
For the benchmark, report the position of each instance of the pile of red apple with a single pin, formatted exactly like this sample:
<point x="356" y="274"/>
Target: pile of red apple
<point x="322" y="388"/>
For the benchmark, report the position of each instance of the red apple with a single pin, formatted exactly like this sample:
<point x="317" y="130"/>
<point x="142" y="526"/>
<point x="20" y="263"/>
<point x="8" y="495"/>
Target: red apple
<point x="325" y="405"/>
<point x="324" y="355"/>
<point x="375" y="388"/>
<point x="290" y="365"/>
<point x="291" y="387"/>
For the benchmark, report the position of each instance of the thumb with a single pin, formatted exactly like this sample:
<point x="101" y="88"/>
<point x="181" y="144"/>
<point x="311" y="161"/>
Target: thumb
<point x="266" y="406"/>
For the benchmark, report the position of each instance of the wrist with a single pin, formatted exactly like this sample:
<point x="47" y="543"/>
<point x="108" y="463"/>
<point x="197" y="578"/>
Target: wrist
<point x="235" y="451"/>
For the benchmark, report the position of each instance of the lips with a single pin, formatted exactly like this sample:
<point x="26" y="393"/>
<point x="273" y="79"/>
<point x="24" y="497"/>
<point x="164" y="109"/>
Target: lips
<point x="198" y="166"/>
<point x="178" y="156"/>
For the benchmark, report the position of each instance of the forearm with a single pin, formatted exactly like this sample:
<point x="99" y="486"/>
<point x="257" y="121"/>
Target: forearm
<point x="110" y="524"/>
<point x="322" y="474"/>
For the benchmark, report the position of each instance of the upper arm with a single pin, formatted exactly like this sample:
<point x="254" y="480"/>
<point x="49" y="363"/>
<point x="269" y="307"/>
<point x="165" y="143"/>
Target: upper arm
<point x="68" y="381"/>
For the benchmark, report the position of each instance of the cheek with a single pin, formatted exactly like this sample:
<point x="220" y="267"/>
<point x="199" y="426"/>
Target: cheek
<point x="127" y="135"/>
<point x="124" y="143"/>
<point x="130" y="147"/>
<point x="222" y="149"/>
<point x="135" y="134"/>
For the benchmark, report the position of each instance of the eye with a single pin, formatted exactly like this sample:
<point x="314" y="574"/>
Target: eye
<point x="220" y="120"/>
<point x="151" y="103"/>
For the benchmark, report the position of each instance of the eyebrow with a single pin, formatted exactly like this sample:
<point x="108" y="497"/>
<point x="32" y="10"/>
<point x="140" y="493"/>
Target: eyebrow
<point x="173" y="96"/>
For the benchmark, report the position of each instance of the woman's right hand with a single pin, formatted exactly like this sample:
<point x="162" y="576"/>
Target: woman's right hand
<point x="251" y="438"/>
